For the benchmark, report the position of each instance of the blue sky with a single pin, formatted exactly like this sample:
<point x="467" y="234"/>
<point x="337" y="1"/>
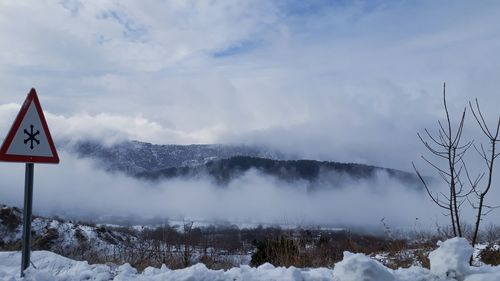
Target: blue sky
<point x="332" y="80"/>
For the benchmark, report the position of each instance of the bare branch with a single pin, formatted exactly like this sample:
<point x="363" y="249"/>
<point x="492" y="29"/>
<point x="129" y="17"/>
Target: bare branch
<point x="480" y="119"/>
<point x="489" y="160"/>
<point x="465" y="147"/>
<point x="433" y="139"/>
<point x="461" y="203"/>
<point x="447" y="113"/>
<point x="481" y="153"/>
<point x="435" y="167"/>
<point x="492" y="207"/>
<point x="471" y="204"/>
<point x="490" y="210"/>
<point x="460" y="130"/>
<point x="445" y="179"/>
<point x="435" y="152"/>
<point x="443" y="131"/>
<point x="435" y="200"/>
<point x="445" y="197"/>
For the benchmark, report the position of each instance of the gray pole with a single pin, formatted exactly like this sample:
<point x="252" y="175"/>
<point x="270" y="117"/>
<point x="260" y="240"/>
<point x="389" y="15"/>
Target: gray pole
<point x="28" y="206"/>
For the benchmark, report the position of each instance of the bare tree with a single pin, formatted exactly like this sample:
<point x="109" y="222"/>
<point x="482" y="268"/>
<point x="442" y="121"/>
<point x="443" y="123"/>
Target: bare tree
<point x="187" y="229"/>
<point x="489" y="157"/>
<point x="446" y="146"/>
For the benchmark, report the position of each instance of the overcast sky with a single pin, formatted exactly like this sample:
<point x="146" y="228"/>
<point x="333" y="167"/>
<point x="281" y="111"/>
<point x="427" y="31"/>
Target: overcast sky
<point x="339" y="80"/>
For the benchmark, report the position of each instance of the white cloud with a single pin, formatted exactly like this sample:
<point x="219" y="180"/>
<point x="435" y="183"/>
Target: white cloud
<point x="109" y="128"/>
<point x="346" y="82"/>
<point x="123" y="35"/>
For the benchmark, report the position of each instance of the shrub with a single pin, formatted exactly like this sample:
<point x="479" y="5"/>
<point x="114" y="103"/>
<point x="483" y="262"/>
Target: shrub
<point x="281" y="252"/>
<point x="490" y="255"/>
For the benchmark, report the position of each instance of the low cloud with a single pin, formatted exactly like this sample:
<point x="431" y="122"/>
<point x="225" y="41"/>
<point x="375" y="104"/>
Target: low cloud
<point x="76" y="188"/>
<point x="107" y="128"/>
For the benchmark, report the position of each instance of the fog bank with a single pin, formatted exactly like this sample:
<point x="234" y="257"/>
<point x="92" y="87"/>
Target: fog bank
<point x="77" y="187"/>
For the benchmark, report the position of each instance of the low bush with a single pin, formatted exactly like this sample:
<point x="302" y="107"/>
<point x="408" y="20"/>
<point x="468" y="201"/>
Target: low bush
<point x="490" y="255"/>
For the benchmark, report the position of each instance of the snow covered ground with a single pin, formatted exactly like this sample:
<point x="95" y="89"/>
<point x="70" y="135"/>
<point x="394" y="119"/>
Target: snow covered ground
<point x="448" y="263"/>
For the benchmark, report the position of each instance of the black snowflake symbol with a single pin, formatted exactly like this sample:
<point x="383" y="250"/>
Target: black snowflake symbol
<point x="31" y="137"/>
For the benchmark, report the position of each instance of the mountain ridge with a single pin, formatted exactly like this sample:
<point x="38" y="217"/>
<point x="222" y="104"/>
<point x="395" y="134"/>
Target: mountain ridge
<point x="224" y="163"/>
<point x="133" y="157"/>
<point x="315" y="173"/>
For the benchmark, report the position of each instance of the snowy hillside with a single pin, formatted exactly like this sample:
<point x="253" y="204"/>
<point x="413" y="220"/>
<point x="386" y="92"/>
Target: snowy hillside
<point x="134" y="156"/>
<point x="65" y="237"/>
<point x="448" y="263"/>
<point x="224" y="163"/>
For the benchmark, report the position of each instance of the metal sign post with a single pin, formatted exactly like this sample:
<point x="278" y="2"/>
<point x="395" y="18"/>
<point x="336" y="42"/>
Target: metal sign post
<point x="29" y="141"/>
<point x="28" y="209"/>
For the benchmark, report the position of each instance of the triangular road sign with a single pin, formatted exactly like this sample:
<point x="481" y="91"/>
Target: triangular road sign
<point x="29" y="138"/>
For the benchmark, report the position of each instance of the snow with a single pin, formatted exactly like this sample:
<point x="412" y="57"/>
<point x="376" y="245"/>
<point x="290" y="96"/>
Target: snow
<point x="451" y="259"/>
<point x="358" y="267"/>
<point x="450" y="262"/>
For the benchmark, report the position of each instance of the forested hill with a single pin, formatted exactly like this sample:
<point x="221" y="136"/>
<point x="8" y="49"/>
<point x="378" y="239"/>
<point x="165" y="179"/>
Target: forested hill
<point x="318" y="172"/>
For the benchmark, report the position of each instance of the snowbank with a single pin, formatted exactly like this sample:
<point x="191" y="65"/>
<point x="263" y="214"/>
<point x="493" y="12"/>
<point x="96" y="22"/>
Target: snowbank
<point x="448" y="263"/>
<point x="451" y="259"/>
<point x="356" y="267"/>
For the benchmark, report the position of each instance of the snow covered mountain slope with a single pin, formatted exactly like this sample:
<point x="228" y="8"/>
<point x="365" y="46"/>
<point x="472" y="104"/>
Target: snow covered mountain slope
<point x="134" y="156"/>
<point x="448" y="263"/>
<point x="224" y="163"/>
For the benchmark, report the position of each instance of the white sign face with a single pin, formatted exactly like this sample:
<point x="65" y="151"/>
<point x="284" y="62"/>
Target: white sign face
<point x="30" y="138"/>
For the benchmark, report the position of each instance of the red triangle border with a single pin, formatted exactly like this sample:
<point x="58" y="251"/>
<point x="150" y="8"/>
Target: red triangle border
<point x="32" y="97"/>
